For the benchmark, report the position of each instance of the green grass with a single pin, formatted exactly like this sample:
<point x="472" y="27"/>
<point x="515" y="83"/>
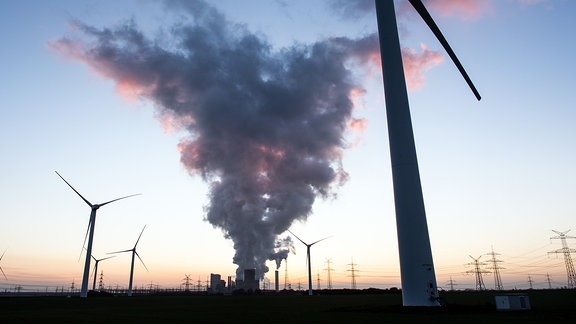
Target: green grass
<point x="552" y="306"/>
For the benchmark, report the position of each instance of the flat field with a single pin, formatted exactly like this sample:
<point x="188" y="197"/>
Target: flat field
<point x="548" y="306"/>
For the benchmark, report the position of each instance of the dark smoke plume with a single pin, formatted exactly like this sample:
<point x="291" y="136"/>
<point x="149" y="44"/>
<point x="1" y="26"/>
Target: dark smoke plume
<point x="265" y="127"/>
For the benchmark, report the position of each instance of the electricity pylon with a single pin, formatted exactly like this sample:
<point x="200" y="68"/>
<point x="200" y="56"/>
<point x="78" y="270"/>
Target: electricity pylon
<point x="101" y="281"/>
<point x="353" y="274"/>
<point x="329" y="270"/>
<point x="495" y="269"/>
<point x="187" y="282"/>
<point x="478" y="272"/>
<point x="452" y="283"/>
<point x="549" y="281"/>
<point x="566" y="251"/>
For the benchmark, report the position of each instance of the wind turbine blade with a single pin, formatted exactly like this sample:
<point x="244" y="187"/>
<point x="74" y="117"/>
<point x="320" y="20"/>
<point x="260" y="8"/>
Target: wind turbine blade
<point x="421" y="9"/>
<point x="138" y="255"/>
<point x="94" y="270"/>
<point x="120" y="251"/>
<point x="106" y="203"/>
<point x="85" y="238"/>
<point x="138" y="240"/>
<point x="76" y="191"/>
<point x="321" y="240"/>
<point x="297" y="238"/>
<point x="110" y="257"/>
<point x="98" y="260"/>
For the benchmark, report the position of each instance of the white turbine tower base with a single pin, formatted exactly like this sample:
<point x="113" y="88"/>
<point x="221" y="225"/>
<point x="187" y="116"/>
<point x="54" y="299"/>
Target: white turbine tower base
<point x="416" y="264"/>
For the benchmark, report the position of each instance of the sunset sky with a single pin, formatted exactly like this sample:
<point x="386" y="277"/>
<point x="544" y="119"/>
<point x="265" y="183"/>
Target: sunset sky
<point x="499" y="173"/>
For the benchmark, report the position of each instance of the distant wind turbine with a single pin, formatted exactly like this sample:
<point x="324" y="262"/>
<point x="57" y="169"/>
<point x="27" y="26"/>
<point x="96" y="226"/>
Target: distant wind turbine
<point x="134" y="253"/>
<point x="89" y="235"/>
<point x="96" y="261"/>
<point x="1" y="266"/>
<point x="308" y="260"/>
<point x="416" y="264"/>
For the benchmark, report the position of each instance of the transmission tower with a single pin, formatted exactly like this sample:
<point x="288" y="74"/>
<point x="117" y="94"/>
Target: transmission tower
<point x="530" y="282"/>
<point x="452" y="283"/>
<point x="353" y="273"/>
<point x="186" y="282"/>
<point x="566" y="251"/>
<point x="495" y="269"/>
<point x="549" y="281"/>
<point x="478" y="272"/>
<point x="329" y="270"/>
<point x="101" y="281"/>
<point x="318" y="282"/>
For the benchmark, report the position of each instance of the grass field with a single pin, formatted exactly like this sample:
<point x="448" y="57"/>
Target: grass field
<point x="548" y="306"/>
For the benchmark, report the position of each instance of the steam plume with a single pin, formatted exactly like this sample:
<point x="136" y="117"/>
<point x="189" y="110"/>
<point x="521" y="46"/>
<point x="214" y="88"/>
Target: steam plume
<point x="265" y="127"/>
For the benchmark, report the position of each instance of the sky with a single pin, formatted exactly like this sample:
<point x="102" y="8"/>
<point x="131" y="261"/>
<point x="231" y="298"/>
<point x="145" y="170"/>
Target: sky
<point x="496" y="174"/>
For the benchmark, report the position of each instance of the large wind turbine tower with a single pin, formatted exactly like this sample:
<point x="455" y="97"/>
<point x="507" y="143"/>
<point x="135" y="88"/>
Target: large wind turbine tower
<point x="416" y="264"/>
<point x="89" y="235"/>
<point x="134" y="254"/>
<point x="308" y="260"/>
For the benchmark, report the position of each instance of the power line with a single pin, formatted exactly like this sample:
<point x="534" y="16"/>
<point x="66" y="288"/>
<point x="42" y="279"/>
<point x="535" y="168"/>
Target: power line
<point x="566" y="251"/>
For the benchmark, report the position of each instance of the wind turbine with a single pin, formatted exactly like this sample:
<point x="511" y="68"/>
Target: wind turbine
<point x="308" y="260"/>
<point x="416" y="264"/>
<point x="96" y="261"/>
<point x="89" y="235"/>
<point x="134" y="253"/>
<point x="1" y="266"/>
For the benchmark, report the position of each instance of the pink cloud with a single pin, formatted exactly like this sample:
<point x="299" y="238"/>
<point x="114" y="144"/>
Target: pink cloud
<point x="465" y="9"/>
<point x="128" y="87"/>
<point x="530" y="2"/>
<point x="415" y="64"/>
<point x="358" y="124"/>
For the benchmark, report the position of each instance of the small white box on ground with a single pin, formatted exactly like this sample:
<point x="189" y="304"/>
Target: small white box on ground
<point x="512" y="302"/>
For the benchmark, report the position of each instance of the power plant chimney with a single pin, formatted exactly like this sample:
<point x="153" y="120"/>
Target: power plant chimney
<point x="276" y="282"/>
